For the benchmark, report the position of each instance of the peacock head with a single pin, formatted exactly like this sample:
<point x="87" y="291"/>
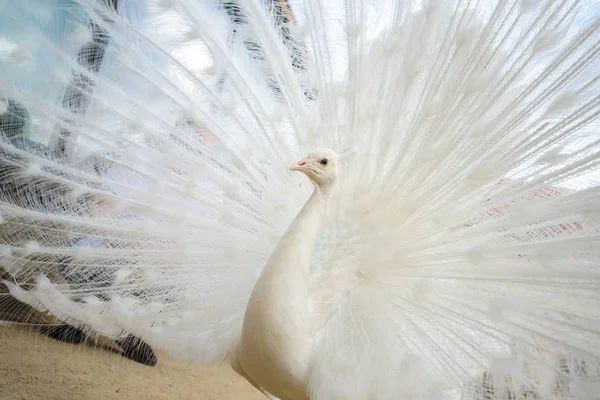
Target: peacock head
<point x="319" y="166"/>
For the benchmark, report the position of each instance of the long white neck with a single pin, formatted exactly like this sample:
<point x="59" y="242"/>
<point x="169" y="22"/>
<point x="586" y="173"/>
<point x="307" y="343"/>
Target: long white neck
<point x="276" y="337"/>
<point x="297" y="244"/>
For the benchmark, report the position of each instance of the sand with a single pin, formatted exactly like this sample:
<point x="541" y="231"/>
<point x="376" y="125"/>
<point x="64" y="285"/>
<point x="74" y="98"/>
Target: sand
<point x="34" y="367"/>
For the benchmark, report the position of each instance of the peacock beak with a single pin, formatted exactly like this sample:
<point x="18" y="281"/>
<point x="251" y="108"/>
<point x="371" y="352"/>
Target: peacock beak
<point x="300" y="166"/>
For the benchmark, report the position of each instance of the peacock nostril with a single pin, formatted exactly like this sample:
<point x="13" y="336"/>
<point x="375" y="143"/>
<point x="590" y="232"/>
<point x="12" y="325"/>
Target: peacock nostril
<point x="301" y="163"/>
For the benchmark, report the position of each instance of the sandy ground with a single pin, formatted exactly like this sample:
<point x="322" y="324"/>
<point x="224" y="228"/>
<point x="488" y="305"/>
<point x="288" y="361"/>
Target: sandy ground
<point x="34" y="367"/>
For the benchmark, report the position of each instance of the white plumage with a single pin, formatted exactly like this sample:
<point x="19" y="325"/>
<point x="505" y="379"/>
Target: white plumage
<point x="454" y="255"/>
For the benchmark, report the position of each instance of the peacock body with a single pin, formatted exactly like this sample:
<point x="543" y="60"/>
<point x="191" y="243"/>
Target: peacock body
<point x="448" y="249"/>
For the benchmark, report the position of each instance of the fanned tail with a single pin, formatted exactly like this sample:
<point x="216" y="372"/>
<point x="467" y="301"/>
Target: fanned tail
<point x="463" y="241"/>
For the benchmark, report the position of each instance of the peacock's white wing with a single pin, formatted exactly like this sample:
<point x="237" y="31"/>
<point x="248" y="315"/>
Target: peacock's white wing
<point x="464" y="240"/>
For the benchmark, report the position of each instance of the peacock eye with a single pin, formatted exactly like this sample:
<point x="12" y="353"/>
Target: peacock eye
<point x="323" y="161"/>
